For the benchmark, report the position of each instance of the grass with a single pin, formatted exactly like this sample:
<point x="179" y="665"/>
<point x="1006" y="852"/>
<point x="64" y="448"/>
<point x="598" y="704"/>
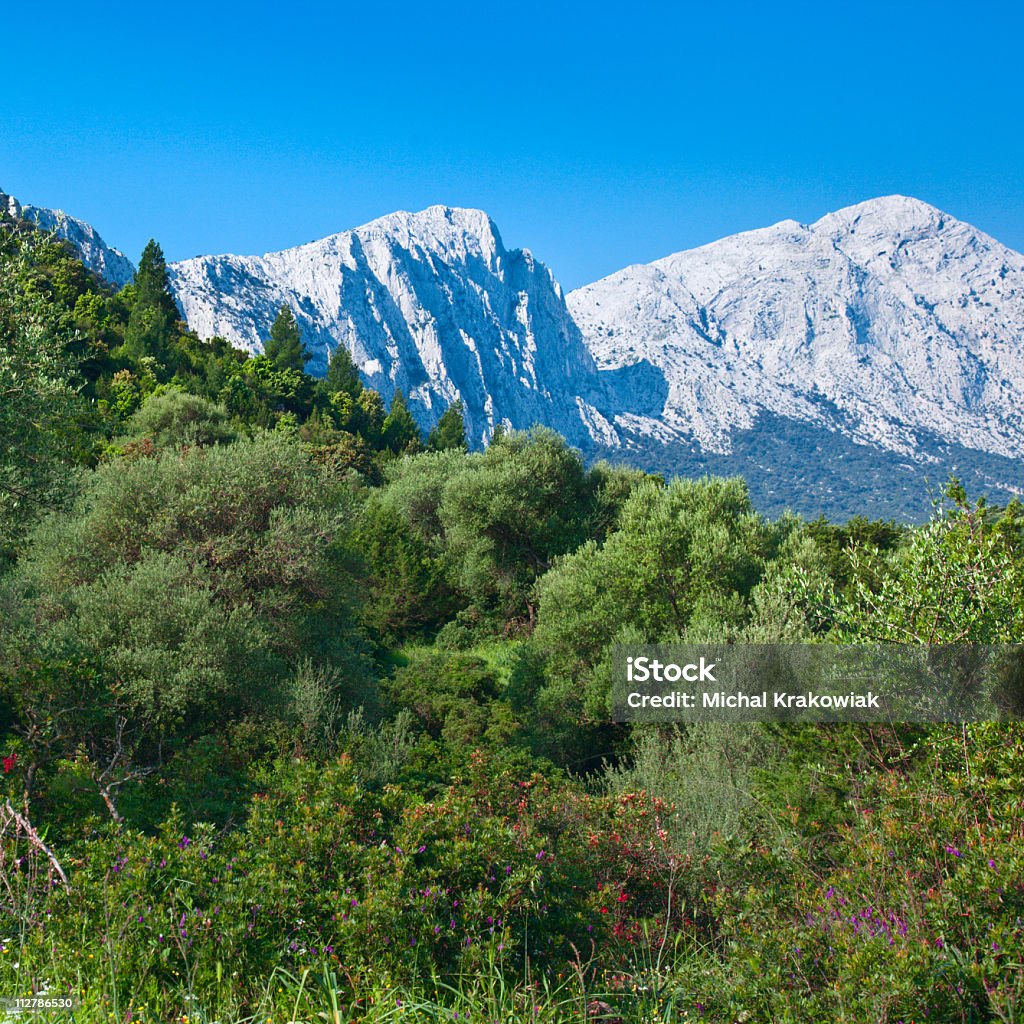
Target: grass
<point x="321" y="994"/>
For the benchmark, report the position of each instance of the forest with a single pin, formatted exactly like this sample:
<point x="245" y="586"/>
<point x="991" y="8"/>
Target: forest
<point x="304" y="716"/>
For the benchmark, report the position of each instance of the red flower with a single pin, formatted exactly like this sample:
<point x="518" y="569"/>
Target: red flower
<point x="10" y="762"/>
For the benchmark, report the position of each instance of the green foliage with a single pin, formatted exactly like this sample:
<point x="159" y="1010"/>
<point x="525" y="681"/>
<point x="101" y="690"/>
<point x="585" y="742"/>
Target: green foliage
<point x="175" y="419"/>
<point x="399" y="432"/>
<point x="38" y="401"/>
<point x="682" y="564"/>
<point x="342" y="374"/>
<point x="612" y="486"/>
<point x="284" y="347"/>
<point x="706" y="774"/>
<point x="153" y="322"/>
<point x="407" y="592"/>
<point x="509" y="513"/>
<point x="455" y="697"/>
<point x="449" y="432"/>
<point x="182" y="586"/>
<point x="958" y="579"/>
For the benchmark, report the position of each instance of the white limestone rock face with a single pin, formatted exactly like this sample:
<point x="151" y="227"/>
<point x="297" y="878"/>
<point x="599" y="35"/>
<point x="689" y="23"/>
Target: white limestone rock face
<point x="887" y="322"/>
<point x="109" y="263"/>
<point x="429" y="302"/>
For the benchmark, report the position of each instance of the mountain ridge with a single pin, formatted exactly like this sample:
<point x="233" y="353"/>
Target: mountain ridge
<point x="887" y="330"/>
<point x="815" y="323"/>
<point x="429" y="302"/>
<point x="109" y="263"/>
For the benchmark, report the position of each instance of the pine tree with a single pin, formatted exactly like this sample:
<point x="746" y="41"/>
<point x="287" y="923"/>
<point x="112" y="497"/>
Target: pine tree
<point x="153" y="320"/>
<point x="400" y="431"/>
<point x="284" y="346"/>
<point x="342" y="373"/>
<point x="450" y="432"/>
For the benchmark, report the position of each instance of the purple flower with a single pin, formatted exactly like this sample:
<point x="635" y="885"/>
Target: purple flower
<point x="954" y="851"/>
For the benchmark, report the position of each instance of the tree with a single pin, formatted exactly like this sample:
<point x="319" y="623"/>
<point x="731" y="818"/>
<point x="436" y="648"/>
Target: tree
<point x="406" y="593"/>
<point x="37" y="398"/>
<point x="367" y="417"/>
<point x="958" y="579"/>
<point x="284" y="346"/>
<point x="174" y="419"/>
<point x="343" y="374"/>
<point x="175" y="596"/>
<point x="450" y="431"/>
<point x="153" y="320"/>
<point x="682" y="565"/>
<point x="400" y="431"/>
<point x="510" y="511"/>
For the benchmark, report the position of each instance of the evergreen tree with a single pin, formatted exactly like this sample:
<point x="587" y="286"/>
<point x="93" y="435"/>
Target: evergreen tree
<point x="154" y="316"/>
<point x="342" y="374"/>
<point x="450" y="431"/>
<point x="284" y="346"/>
<point x="400" y="431"/>
<point x="367" y="418"/>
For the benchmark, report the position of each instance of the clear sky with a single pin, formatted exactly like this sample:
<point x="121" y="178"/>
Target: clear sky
<point x="596" y="134"/>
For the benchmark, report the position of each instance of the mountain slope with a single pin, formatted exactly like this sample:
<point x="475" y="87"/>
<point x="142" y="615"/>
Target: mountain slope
<point x="109" y="263"/>
<point x="881" y="320"/>
<point x="428" y="302"/>
<point x="888" y="324"/>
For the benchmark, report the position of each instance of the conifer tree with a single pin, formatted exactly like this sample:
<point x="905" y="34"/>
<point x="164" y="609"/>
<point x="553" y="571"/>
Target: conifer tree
<point x="154" y="315"/>
<point x="284" y="346"/>
<point x="342" y="373"/>
<point x="400" y="431"/>
<point x="450" y="431"/>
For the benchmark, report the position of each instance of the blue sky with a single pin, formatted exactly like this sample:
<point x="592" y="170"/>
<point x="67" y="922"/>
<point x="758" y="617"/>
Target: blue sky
<point x="596" y="134"/>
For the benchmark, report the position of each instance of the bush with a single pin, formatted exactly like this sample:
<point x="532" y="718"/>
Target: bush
<point x="173" y="419"/>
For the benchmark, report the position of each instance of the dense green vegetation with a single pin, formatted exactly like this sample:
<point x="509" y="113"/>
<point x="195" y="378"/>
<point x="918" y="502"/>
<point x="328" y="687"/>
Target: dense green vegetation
<point x="304" y="716"/>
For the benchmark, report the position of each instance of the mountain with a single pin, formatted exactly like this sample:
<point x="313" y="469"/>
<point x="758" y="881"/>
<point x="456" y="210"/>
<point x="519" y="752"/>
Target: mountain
<point x="837" y="365"/>
<point x="888" y="336"/>
<point x="429" y="302"/>
<point x="109" y="263"/>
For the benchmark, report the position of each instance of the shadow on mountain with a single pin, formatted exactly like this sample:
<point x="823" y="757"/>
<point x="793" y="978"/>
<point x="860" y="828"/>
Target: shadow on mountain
<point x="640" y="389"/>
